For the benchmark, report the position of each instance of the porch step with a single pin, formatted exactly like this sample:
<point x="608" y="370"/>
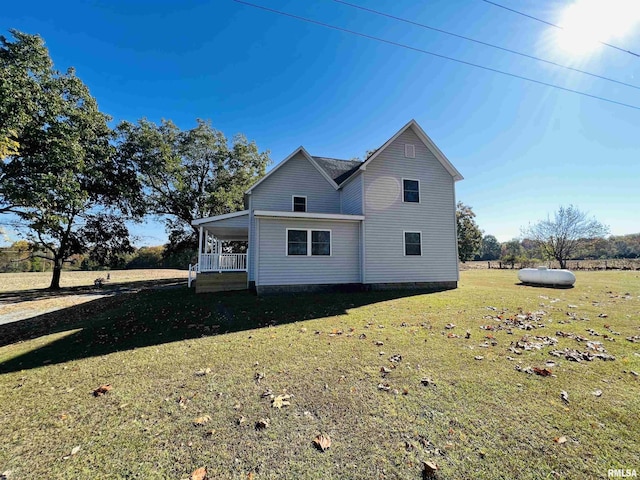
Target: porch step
<point x="221" y="282"/>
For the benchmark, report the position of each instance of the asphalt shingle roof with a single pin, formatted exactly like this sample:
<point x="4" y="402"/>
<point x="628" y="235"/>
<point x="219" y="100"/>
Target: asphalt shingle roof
<point x="339" y="170"/>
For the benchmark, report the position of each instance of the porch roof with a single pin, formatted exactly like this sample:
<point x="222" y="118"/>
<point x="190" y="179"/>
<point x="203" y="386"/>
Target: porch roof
<point x="227" y="227"/>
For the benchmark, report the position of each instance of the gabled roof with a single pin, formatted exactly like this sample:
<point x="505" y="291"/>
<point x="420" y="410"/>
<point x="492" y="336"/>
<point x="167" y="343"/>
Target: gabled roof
<point x="428" y="143"/>
<point x="311" y="159"/>
<point x="339" y="170"/>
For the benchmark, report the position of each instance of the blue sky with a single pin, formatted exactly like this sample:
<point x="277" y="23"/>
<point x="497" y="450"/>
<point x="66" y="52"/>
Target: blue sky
<point x="524" y="149"/>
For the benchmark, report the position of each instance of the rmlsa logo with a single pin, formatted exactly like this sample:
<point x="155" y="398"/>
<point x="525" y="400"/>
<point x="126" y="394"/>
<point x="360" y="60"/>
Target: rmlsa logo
<point x="622" y="473"/>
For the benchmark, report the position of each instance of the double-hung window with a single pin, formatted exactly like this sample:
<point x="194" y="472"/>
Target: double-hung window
<point x="299" y="203"/>
<point x="411" y="191"/>
<point x="308" y="242"/>
<point x="412" y="243"/>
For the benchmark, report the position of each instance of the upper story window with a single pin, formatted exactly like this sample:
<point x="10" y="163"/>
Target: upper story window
<point x="299" y="203"/>
<point x="413" y="243"/>
<point x="411" y="191"/>
<point x="409" y="150"/>
<point x="308" y="242"/>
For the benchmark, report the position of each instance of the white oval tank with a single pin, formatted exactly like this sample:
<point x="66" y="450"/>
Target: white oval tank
<point x="545" y="276"/>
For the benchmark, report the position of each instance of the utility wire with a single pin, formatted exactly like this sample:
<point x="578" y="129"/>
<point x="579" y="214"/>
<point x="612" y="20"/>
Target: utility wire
<point x="415" y="49"/>
<point x="556" y="26"/>
<point x="532" y="57"/>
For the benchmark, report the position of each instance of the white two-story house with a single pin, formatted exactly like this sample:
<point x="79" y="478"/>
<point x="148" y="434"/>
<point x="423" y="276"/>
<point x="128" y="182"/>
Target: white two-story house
<point x="316" y="223"/>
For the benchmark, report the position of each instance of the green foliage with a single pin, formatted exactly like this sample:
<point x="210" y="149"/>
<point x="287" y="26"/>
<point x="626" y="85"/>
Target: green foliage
<point x="189" y="174"/>
<point x="469" y="234"/>
<point x="490" y="248"/>
<point x="559" y="238"/>
<point x="65" y="183"/>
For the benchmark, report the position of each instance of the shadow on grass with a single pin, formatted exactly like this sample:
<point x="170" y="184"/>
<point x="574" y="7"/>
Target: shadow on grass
<point x="540" y="285"/>
<point x="18" y="296"/>
<point x="154" y="317"/>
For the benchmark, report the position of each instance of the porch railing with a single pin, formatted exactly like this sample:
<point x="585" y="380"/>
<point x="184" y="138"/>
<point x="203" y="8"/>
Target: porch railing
<point x="222" y="262"/>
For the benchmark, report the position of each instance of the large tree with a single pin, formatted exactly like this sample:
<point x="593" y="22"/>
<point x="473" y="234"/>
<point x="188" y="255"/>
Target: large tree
<point x="64" y="182"/>
<point x="490" y="249"/>
<point x="189" y="174"/>
<point x="469" y="234"/>
<point x="559" y="237"/>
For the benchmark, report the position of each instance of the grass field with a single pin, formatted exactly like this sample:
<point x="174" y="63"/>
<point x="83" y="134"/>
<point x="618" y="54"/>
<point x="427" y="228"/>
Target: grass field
<point x="482" y="419"/>
<point x="22" y="295"/>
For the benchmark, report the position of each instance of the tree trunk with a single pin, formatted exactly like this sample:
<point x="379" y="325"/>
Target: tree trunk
<point x="55" y="280"/>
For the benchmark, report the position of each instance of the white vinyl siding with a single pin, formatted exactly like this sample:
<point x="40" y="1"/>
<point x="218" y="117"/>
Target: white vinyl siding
<point x="297" y="175"/>
<point x="352" y="196"/>
<point x="275" y="267"/>
<point x="387" y="216"/>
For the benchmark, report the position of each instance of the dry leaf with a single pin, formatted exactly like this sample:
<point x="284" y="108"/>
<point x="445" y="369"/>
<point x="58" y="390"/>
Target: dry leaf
<point x="199" y="474"/>
<point x="385" y="370"/>
<point x="101" y="390"/>
<point x="263" y="423"/>
<point x="75" y="450"/>
<point x="250" y="476"/>
<point x="430" y="469"/>
<point x="426" y="381"/>
<point x="479" y="357"/>
<point x="281" y="401"/>
<point x="543" y="372"/>
<point x="597" y="393"/>
<point x="560" y="440"/>
<point x="201" y="420"/>
<point x="449" y="326"/>
<point x="384" y="386"/>
<point x="322" y="442"/>
<point x="378" y="343"/>
<point x="202" y="372"/>
<point x="564" y="396"/>
<point x="241" y="420"/>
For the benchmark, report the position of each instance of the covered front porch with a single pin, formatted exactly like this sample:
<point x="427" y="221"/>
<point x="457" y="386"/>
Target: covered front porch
<point x="223" y="245"/>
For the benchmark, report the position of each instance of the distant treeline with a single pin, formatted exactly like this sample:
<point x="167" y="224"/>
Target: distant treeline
<point x="523" y="251"/>
<point x="22" y="256"/>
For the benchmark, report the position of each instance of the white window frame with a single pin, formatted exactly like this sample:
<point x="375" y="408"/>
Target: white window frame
<point x="404" y="242"/>
<point x="409" y="150"/>
<point x="309" y="241"/>
<point x="293" y="197"/>
<point x="419" y="192"/>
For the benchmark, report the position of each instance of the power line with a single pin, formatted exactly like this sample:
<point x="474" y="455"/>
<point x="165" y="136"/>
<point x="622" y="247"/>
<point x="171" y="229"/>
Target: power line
<point x="504" y="49"/>
<point x="556" y="26"/>
<point x="415" y="49"/>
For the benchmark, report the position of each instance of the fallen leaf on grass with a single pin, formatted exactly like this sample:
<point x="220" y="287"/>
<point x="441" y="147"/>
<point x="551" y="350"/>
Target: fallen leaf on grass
<point x="560" y="440"/>
<point x="322" y="442"/>
<point x="75" y="450"/>
<point x="263" y="423"/>
<point x="430" y="469"/>
<point x="597" y="393"/>
<point x="101" y="390"/>
<point x="564" y="396"/>
<point x="281" y="401"/>
<point x="478" y="357"/>
<point x="385" y="370"/>
<point x="378" y="343"/>
<point x="199" y="474"/>
<point x="543" y="372"/>
<point x="449" y="326"/>
<point x="426" y="381"/>
<point x="201" y="420"/>
<point x="395" y="358"/>
<point x="384" y="386"/>
<point x="202" y="372"/>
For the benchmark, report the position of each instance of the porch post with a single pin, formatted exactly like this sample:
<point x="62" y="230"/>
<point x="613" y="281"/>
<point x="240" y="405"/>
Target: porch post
<point x="200" y="250"/>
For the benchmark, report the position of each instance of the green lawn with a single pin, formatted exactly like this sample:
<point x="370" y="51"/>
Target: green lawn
<point x="482" y="419"/>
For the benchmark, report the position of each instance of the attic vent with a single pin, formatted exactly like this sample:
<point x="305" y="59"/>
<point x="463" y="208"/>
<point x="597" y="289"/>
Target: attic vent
<point x="409" y="150"/>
